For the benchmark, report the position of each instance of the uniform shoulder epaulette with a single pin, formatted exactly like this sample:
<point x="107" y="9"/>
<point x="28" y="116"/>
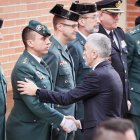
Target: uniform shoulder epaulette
<point x="134" y="30"/>
<point x="25" y="60"/>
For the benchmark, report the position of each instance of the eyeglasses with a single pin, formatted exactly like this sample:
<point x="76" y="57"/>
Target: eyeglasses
<point x="73" y="26"/>
<point x="92" y="17"/>
<point x="112" y="14"/>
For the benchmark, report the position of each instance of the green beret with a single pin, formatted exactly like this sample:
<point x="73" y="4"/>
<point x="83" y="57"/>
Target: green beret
<point x="39" y="28"/>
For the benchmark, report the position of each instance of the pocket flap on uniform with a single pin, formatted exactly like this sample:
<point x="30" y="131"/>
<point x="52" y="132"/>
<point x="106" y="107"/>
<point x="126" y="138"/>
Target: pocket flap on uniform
<point x="135" y="87"/>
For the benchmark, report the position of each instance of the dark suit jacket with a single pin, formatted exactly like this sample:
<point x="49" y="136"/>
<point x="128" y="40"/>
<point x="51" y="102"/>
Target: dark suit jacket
<point x="119" y="62"/>
<point x="3" y="91"/>
<point x="101" y="92"/>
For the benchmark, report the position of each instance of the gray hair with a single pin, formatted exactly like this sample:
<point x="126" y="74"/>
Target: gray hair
<point x="101" y="43"/>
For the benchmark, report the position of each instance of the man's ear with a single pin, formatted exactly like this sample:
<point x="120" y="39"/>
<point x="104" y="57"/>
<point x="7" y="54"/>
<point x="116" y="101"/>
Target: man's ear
<point x="94" y="53"/>
<point x="30" y="43"/>
<point x="59" y="27"/>
<point x="81" y="22"/>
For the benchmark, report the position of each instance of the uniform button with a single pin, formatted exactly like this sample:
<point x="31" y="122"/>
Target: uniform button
<point x="131" y="89"/>
<point x="34" y="120"/>
<point x="123" y="62"/>
<point x="58" y="105"/>
<point x="125" y="80"/>
<point x="66" y="81"/>
<point x="125" y="71"/>
<point x="121" y="53"/>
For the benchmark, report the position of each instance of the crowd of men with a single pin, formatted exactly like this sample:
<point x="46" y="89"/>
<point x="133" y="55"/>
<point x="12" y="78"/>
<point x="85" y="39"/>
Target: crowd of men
<point x="80" y="83"/>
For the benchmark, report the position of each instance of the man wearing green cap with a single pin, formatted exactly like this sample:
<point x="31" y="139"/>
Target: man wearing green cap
<point x="60" y="61"/>
<point x="30" y="119"/>
<point x="3" y="90"/>
<point x="109" y="16"/>
<point x="133" y="46"/>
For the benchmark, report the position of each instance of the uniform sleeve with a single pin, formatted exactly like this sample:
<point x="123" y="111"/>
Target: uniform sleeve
<point x="52" y="60"/>
<point x="89" y="88"/>
<point x="130" y="47"/>
<point x="41" y="110"/>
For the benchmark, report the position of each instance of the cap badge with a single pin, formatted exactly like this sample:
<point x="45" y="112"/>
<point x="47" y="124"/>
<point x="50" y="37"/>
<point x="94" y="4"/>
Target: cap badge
<point x="40" y="27"/>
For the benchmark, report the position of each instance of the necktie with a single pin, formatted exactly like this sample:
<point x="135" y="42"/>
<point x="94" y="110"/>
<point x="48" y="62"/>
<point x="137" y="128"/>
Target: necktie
<point x="111" y="36"/>
<point x="112" y="39"/>
<point x="42" y="62"/>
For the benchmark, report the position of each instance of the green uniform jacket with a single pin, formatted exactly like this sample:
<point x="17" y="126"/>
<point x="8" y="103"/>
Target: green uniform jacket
<point x="62" y="69"/>
<point x="29" y="118"/>
<point x="133" y="42"/>
<point x="3" y="91"/>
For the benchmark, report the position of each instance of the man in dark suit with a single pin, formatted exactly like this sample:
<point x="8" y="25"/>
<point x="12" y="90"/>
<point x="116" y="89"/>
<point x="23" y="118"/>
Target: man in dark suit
<point x="60" y="61"/>
<point x="30" y="119"/>
<point x="109" y="16"/>
<point x="101" y="90"/>
<point x="3" y="91"/>
<point x="87" y="24"/>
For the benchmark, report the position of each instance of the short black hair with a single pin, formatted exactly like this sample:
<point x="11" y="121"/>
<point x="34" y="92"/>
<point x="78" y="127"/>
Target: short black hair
<point x="56" y="20"/>
<point x="116" y="125"/>
<point x="27" y="34"/>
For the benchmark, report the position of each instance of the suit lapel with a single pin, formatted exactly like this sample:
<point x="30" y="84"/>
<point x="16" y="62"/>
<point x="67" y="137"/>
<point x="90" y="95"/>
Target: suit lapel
<point x="102" y="30"/>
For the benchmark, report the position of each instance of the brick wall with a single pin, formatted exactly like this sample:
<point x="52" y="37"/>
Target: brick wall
<point x="132" y="12"/>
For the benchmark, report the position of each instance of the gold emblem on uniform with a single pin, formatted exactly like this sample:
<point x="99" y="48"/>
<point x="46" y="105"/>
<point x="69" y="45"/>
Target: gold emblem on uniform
<point x="118" y="4"/>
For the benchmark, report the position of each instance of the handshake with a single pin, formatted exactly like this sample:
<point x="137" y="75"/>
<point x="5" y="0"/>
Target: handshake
<point x="69" y="123"/>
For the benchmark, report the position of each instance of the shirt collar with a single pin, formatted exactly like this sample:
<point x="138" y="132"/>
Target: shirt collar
<point x="82" y="35"/>
<point x="96" y="65"/>
<point x="36" y="57"/>
<point x="108" y="32"/>
<point x="63" y="45"/>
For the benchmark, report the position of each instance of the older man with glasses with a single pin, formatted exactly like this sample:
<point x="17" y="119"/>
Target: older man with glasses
<point x="109" y="16"/>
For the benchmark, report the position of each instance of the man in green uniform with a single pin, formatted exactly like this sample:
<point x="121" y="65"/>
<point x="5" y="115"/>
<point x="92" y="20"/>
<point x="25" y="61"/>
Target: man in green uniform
<point x="133" y="43"/>
<point x="60" y="61"/>
<point x="30" y="119"/>
<point x="3" y="90"/>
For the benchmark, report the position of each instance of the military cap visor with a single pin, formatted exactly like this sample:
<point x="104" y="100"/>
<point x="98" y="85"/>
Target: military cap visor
<point x="59" y="11"/>
<point x="110" y="6"/>
<point x="137" y="3"/>
<point x="1" y="23"/>
<point x="83" y="8"/>
<point x="39" y="28"/>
